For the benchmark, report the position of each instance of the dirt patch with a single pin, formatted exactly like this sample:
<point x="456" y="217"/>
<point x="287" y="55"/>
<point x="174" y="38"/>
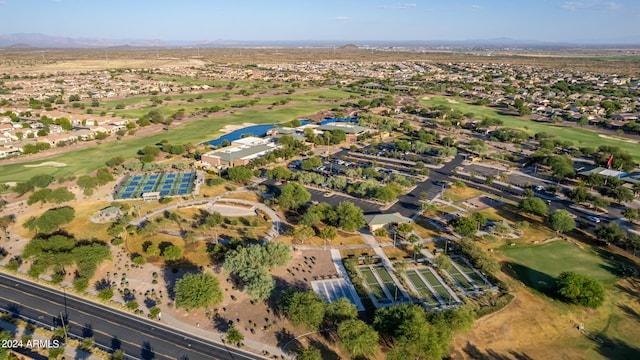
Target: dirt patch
<point x="529" y="327"/>
<point x="257" y="320"/>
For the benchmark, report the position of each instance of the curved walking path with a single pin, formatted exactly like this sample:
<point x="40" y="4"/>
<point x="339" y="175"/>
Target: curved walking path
<point x="276" y="222"/>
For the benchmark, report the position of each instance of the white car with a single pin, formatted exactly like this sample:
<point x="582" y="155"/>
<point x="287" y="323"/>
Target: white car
<point x="594" y="219"/>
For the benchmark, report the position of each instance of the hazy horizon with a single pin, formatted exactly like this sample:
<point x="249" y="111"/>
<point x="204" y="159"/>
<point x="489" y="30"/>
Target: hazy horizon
<point x="194" y="21"/>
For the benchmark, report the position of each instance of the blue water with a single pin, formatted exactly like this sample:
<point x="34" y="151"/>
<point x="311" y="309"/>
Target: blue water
<point x="256" y="130"/>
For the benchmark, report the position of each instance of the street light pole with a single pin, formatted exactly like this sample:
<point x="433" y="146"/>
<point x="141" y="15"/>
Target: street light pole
<point x="64" y="327"/>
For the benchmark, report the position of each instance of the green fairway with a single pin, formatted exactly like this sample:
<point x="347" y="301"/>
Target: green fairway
<point x="86" y="160"/>
<point x="580" y="137"/>
<point x="539" y="265"/>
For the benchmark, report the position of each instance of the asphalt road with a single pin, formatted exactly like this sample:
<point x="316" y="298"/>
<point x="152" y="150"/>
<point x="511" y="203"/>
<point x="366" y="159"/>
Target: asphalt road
<point x="138" y="337"/>
<point x="409" y="204"/>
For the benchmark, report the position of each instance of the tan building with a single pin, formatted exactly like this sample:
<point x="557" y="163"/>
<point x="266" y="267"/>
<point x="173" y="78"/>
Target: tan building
<point x="240" y="152"/>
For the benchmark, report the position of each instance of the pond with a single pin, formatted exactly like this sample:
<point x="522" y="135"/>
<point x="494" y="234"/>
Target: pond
<point x="255" y="130"/>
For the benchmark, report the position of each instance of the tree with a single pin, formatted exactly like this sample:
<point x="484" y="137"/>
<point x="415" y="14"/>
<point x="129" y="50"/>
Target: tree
<point x="311" y="163"/>
<point x="279" y="173"/>
<point x="443" y="262"/>
<point x="580" y="194"/>
<point x="302" y="232"/>
<point x="309" y="353"/>
<point x="196" y="291"/>
<point x="341" y="310"/>
<point x="611" y="233"/>
<point x="328" y="233"/>
<point x="51" y="220"/>
<point x="480" y="218"/>
<point x="260" y="285"/>
<point x="465" y="226"/>
<point x="172" y="253"/>
<point x="561" y="221"/>
<point x="303" y="308"/>
<point x="349" y="217"/>
<point x="213" y="220"/>
<point x="240" y="174"/>
<point x="631" y="213"/>
<point x="403" y="229"/>
<point x="310" y="218"/>
<point x="234" y="336"/>
<point x="561" y="166"/>
<point x="411" y="335"/>
<point x="580" y="289"/>
<point x="358" y="338"/>
<point x="417" y="248"/>
<point x="533" y="205"/>
<point x="293" y="195"/>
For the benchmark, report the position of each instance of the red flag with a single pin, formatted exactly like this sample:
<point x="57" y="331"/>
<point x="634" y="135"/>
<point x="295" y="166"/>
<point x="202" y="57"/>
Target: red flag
<point x="610" y="161"/>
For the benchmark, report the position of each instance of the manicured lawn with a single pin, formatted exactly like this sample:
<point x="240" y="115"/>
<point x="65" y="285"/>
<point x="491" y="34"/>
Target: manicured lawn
<point x="539" y="265"/>
<point x="580" y="137"/>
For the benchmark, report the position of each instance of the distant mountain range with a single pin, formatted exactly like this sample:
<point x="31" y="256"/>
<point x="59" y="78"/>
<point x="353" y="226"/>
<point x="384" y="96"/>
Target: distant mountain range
<point x="24" y="41"/>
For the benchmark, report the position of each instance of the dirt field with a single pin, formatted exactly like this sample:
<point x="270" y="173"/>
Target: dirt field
<point x="248" y="315"/>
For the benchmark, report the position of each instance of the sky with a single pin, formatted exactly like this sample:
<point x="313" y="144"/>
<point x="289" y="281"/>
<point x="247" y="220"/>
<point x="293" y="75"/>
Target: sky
<point x="580" y="21"/>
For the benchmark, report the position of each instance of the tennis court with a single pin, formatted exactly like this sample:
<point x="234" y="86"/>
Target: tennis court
<point x="457" y="275"/>
<point x="373" y="284"/>
<point x="333" y="289"/>
<point x="470" y="272"/>
<point x="435" y="283"/>
<point x="389" y="283"/>
<point x="166" y="184"/>
<point x="422" y="288"/>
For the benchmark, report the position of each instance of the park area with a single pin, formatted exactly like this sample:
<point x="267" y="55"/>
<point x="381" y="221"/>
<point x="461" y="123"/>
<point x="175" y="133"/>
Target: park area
<point x="536" y="325"/>
<point x="538" y="265"/>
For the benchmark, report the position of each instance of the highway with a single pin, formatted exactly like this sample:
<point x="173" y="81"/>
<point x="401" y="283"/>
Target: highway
<point x="139" y="338"/>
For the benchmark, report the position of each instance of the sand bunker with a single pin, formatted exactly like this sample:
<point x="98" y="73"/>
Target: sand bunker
<point x="231" y="128"/>
<point x="48" y="163"/>
<point x="631" y="141"/>
<point x="451" y="101"/>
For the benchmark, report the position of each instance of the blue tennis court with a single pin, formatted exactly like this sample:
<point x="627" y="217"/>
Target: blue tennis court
<point x="168" y="184"/>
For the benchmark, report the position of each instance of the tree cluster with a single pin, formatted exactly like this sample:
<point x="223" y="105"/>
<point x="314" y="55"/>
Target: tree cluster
<point x="50" y="220"/>
<point x="88" y="183"/>
<point x="57" y="196"/>
<point x="412" y="333"/>
<point x="58" y="252"/>
<point x="345" y="216"/>
<point x="580" y="289"/>
<point x="197" y="291"/>
<point x="478" y="257"/>
<point x="252" y="263"/>
<point x="37" y="181"/>
<point x="612" y="233"/>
